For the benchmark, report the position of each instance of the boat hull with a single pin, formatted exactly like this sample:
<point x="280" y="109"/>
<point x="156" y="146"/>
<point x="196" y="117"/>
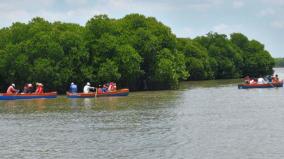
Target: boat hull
<point x="49" y="95"/>
<point x="267" y="85"/>
<point x="120" y="92"/>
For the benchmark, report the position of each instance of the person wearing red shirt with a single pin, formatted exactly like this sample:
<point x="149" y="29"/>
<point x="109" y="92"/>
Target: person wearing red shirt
<point x="39" y="88"/>
<point x="11" y="89"/>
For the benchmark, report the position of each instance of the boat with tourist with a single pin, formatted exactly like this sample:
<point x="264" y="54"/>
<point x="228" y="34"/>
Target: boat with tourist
<point x="119" y="92"/>
<point x="264" y="85"/>
<point x="8" y="96"/>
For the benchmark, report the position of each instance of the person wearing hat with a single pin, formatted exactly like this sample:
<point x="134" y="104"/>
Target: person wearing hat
<point x="39" y="88"/>
<point x="73" y="88"/>
<point x="28" y="88"/>
<point x="88" y="88"/>
<point x="11" y="89"/>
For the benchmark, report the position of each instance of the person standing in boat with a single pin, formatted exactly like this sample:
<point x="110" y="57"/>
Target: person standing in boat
<point x="88" y="88"/>
<point x="73" y="88"/>
<point x="11" y="89"/>
<point x="39" y="88"/>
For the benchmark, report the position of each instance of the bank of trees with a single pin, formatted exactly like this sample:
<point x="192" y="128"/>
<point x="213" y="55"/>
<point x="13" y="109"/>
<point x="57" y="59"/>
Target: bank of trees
<point x="279" y="62"/>
<point x="135" y="51"/>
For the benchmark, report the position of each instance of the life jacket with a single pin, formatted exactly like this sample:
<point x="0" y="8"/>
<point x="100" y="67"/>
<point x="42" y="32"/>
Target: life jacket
<point x="39" y="89"/>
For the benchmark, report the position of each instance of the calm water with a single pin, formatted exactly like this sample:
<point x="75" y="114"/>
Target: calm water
<point x="202" y="120"/>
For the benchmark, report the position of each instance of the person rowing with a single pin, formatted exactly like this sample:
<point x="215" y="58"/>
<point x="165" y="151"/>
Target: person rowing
<point x="88" y="88"/>
<point x="39" y="88"/>
<point x="11" y="89"/>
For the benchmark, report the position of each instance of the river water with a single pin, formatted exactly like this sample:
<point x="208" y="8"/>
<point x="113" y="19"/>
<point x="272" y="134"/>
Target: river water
<point x="201" y="120"/>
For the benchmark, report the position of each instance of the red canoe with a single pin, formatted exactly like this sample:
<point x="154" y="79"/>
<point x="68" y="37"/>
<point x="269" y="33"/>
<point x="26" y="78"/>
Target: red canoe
<point x="120" y="92"/>
<point x="5" y="96"/>
<point x="266" y="85"/>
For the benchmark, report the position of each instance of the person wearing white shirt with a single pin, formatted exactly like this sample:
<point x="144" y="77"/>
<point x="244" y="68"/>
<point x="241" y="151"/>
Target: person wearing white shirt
<point x="260" y="81"/>
<point x="88" y="88"/>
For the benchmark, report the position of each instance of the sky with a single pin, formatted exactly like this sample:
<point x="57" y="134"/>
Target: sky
<point x="262" y="20"/>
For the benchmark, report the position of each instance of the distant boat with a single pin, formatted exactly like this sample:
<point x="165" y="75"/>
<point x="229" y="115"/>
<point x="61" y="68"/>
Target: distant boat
<point x="266" y="85"/>
<point x="5" y="96"/>
<point x="120" y="92"/>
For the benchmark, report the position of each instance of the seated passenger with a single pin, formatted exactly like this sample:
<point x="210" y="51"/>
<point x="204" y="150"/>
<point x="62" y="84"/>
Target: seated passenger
<point x="73" y="88"/>
<point x="88" y="88"/>
<point x="39" y="88"/>
<point x="269" y="78"/>
<point x="247" y="79"/>
<point x="104" y="89"/>
<point x="252" y="81"/>
<point x="28" y="88"/>
<point x="112" y="86"/>
<point x="275" y="79"/>
<point x="260" y="81"/>
<point x="11" y="89"/>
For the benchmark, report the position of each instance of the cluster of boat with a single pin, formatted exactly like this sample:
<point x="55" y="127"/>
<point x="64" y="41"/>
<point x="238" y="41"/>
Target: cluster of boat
<point x="269" y="82"/>
<point x="49" y="95"/>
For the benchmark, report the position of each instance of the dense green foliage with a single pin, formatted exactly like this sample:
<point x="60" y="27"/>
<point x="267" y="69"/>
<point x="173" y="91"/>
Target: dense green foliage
<point x="279" y="62"/>
<point x="135" y="51"/>
<point x="215" y="56"/>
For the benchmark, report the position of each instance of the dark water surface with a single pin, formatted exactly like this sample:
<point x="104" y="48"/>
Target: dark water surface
<point x="202" y="120"/>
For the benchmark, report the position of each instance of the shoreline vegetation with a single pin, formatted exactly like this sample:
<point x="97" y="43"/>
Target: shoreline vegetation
<point x="135" y="51"/>
<point x="279" y="62"/>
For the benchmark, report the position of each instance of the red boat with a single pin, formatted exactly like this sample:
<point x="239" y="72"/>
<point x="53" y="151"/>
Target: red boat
<point x="266" y="85"/>
<point x="120" y="92"/>
<point x="5" y="96"/>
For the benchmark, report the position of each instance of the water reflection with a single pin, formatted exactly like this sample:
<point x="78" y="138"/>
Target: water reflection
<point x="88" y="103"/>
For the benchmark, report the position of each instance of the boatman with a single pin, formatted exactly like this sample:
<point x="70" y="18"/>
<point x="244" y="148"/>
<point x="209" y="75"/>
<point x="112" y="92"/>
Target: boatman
<point x="73" y="88"/>
<point x="11" y="89"/>
<point x="88" y="88"/>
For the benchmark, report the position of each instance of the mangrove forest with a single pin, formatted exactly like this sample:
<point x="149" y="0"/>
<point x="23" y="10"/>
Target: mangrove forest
<point x="279" y="62"/>
<point x="135" y="51"/>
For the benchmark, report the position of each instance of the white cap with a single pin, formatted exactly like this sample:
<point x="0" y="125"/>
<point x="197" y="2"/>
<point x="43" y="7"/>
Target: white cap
<point x="13" y="84"/>
<point x="72" y="83"/>
<point x="88" y="84"/>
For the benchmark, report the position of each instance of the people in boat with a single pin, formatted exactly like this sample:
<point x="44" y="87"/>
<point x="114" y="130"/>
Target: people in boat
<point x="253" y="81"/>
<point x="112" y="86"/>
<point x="276" y="78"/>
<point x="39" y="88"/>
<point x="260" y="81"/>
<point x="88" y="88"/>
<point x="247" y="79"/>
<point x="28" y="88"/>
<point x="73" y="88"/>
<point x="105" y="88"/>
<point x="11" y="89"/>
<point x="269" y="78"/>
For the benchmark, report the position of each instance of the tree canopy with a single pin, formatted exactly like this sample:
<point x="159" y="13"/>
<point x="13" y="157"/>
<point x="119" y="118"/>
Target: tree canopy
<point x="134" y="51"/>
<point x="279" y="62"/>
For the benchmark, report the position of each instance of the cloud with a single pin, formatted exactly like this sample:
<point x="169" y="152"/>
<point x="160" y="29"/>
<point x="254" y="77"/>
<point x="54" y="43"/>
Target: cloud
<point x="238" y="4"/>
<point x="77" y="2"/>
<point x="227" y="29"/>
<point x="273" y="2"/>
<point x="267" y="12"/>
<point x="277" y="24"/>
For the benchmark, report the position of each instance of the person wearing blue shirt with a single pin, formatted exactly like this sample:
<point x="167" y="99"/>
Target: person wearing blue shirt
<point x="73" y="88"/>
